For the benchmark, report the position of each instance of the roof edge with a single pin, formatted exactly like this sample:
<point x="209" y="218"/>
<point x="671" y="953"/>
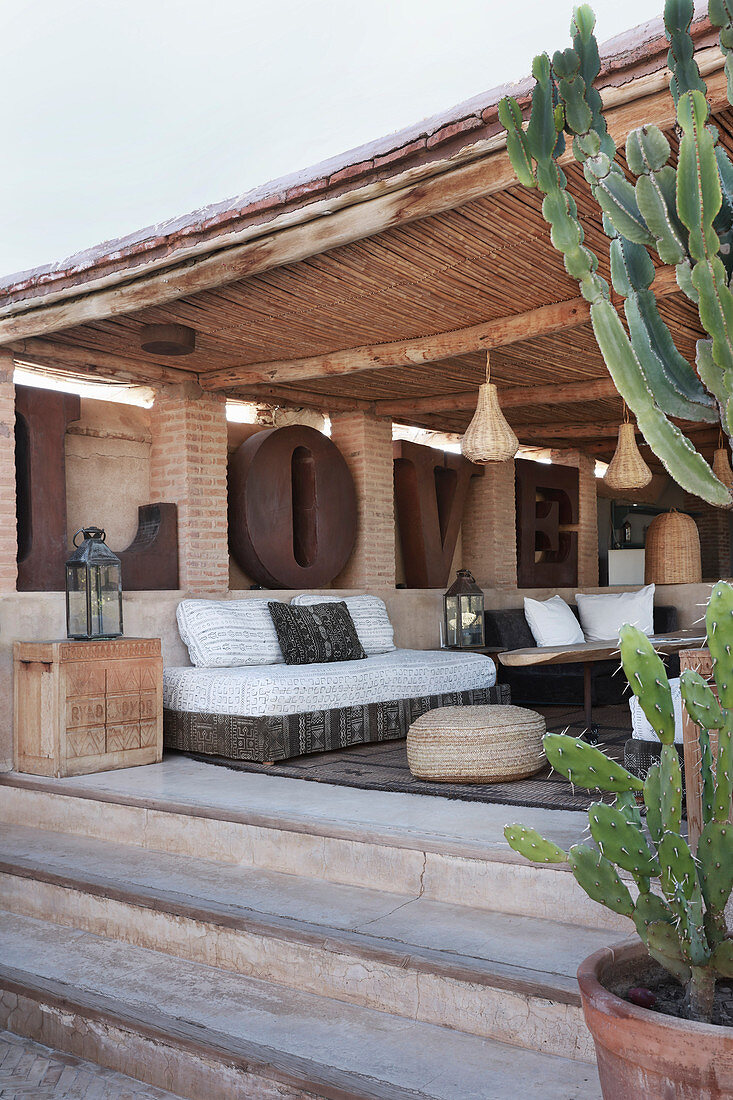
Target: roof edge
<point x="449" y="136"/>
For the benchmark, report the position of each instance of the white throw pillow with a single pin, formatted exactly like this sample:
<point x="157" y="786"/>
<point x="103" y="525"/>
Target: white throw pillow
<point x="603" y="616"/>
<point x="552" y="622"/>
<point x="228" y="633"/>
<point x="369" y="613"/>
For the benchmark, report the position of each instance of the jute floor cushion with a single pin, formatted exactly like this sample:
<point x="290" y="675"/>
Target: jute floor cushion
<point x="476" y="744"/>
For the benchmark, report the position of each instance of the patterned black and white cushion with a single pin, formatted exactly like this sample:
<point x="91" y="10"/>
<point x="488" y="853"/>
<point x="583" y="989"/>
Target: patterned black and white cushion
<point x="227" y="633"/>
<point x="319" y="634"/>
<point x="369" y="613"/>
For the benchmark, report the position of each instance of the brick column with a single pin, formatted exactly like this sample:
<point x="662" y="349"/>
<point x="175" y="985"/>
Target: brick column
<point x="188" y="465"/>
<point x="587" y="515"/>
<point x="366" y="444"/>
<point x="489" y="531"/>
<point x="715" y="537"/>
<point x="8" y="520"/>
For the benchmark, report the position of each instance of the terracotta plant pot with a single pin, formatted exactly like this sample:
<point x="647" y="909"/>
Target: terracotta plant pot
<point x="645" y="1055"/>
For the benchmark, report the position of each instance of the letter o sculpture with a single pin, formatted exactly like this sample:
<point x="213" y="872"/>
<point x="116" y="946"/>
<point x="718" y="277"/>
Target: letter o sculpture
<point x="292" y="508"/>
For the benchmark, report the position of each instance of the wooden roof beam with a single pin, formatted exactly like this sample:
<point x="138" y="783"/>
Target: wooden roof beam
<point x="296" y="399"/>
<point x="105" y="364"/>
<point x="512" y="329"/>
<point x="556" y="393"/>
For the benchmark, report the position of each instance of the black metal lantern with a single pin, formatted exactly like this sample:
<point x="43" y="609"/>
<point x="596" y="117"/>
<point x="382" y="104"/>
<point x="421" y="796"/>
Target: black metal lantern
<point x="463" y="607"/>
<point x="93" y="588"/>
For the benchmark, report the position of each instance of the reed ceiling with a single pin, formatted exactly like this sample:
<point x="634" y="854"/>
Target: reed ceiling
<point x="486" y="260"/>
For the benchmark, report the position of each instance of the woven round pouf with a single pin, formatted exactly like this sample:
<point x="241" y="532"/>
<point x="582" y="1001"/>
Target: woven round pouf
<point x="485" y="744"/>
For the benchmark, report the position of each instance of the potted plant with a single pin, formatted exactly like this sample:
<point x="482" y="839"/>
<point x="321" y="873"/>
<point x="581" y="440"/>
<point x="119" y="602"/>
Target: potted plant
<point x="676" y="1047"/>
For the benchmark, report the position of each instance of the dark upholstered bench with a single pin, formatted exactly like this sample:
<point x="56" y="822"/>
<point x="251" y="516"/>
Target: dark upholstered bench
<point x="547" y="684"/>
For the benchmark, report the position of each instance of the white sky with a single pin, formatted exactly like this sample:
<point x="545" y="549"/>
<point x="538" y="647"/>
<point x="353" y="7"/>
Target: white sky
<point x="121" y="113"/>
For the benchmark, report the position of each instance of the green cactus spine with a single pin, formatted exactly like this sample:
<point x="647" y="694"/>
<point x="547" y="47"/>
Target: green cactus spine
<point x="682" y="214"/>
<point x="683" y="923"/>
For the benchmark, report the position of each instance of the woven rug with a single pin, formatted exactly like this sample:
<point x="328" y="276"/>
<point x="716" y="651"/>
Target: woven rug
<point x="383" y="766"/>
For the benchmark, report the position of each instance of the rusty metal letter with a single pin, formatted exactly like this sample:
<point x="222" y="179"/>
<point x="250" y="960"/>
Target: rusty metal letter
<point x="41" y="420"/>
<point x="430" y="493"/>
<point x="292" y="508"/>
<point x="547" y="512"/>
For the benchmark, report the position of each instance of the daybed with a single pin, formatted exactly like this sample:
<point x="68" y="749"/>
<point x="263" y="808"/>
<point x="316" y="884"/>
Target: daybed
<point x="243" y="702"/>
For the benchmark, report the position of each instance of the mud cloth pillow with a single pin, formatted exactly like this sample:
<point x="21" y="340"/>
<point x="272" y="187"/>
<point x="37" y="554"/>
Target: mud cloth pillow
<point x="318" y="634"/>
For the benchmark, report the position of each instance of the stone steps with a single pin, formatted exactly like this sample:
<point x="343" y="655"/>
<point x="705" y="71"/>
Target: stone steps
<point x="194" y="925"/>
<point x="476" y="971"/>
<point x="203" y="1031"/>
<point x="465" y="862"/>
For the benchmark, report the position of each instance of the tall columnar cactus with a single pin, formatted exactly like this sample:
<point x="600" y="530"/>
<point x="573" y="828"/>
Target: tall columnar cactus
<point x="684" y="215"/>
<point x="679" y="908"/>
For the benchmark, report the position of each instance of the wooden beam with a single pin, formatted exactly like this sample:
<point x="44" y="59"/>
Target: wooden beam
<point x="512" y="329"/>
<point x="555" y="393"/>
<point x="290" y="398"/>
<point x="598" y="431"/>
<point x="81" y="360"/>
<point x="333" y="221"/>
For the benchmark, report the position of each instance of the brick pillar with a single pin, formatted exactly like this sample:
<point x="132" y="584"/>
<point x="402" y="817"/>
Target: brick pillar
<point x="713" y="525"/>
<point x="188" y="465"/>
<point x="8" y="521"/>
<point x="366" y="444"/>
<point x="587" y="514"/>
<point x="489" y="531"/>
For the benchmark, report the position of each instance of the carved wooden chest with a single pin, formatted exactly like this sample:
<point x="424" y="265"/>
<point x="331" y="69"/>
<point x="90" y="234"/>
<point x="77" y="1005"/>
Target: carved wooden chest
<point x="87" y="706"/>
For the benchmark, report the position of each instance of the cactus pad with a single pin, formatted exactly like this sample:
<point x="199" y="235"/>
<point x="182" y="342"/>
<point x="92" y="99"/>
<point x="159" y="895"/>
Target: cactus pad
<point x="700" y="703"/>
<point x="587" y="766"/>
<point x="599" y="879"/>
<point x="533" y="846"/>
<point x="715" y="856"/>
<point x="620" y="841"/>
<point x="648" y="679"/>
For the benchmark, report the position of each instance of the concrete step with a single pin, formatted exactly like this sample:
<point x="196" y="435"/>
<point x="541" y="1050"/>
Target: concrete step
<point x="212" y="1033"/>
<point x="488" y="973"/>
<point x="444" y="850"/>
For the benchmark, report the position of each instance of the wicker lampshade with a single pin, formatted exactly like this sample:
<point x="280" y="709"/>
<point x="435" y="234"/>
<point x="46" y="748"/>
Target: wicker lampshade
<point x="721" y="467"/>
<point x="488" y="437"/>
<point x="627" y="469"/>
<point x="672" y="554"/>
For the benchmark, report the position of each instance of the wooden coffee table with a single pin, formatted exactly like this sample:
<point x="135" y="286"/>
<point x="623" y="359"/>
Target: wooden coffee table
<point x="588" y="654"/>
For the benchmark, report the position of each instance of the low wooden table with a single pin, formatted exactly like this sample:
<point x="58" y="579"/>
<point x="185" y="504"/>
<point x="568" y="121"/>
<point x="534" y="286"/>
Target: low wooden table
<point x="588" y="654"/>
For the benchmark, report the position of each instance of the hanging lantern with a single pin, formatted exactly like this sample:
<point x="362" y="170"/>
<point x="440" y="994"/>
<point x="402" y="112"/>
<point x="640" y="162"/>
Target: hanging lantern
<point x="93" y="588"/>
<point x="721" y="464"/>
<point x="489" y="437"/>
<point x="463" y="612"/>
<point x="627" y="469"/>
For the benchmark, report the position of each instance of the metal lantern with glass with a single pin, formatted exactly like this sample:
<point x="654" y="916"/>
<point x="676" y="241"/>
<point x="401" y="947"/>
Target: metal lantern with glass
<point x="463" y="606"/>
<point x="93" y="588"/>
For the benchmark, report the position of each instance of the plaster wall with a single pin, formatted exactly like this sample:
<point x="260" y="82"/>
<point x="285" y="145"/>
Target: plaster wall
<point x="107" y="469"/>
<point x="415" y="614"/>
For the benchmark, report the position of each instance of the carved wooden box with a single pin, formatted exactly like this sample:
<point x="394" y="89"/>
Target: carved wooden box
<point x="87" y="706"/>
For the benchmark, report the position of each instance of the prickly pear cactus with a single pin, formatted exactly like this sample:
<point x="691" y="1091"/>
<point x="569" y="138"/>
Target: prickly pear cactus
<point x="676" y="897"/>
<point x="682" y="214"/>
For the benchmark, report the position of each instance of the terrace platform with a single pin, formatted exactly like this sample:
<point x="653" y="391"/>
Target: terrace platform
<point x="301" y="939"/>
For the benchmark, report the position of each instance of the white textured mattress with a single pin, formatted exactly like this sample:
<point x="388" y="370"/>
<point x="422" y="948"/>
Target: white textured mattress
<point x="264" y="690"/>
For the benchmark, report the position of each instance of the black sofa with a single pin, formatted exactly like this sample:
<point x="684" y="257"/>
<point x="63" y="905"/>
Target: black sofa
<point x="547" y="684"/>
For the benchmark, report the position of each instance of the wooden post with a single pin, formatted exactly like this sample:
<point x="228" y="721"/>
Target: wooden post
<point x="700" y="661"/>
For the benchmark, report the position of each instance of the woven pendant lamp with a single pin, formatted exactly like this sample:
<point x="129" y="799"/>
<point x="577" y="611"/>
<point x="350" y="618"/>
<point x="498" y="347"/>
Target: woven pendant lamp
<point x="672" y="550"/>
<point x="627" y="469"/>
<point x="721" y="464"/>
<point x="488" y="437"/>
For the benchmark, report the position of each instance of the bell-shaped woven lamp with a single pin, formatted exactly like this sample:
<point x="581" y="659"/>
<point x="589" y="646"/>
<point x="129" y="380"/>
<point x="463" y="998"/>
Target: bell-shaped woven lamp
<point x="627" y="469"/>
<point x="488" y="437"/>
<point x="721" y="464"/>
